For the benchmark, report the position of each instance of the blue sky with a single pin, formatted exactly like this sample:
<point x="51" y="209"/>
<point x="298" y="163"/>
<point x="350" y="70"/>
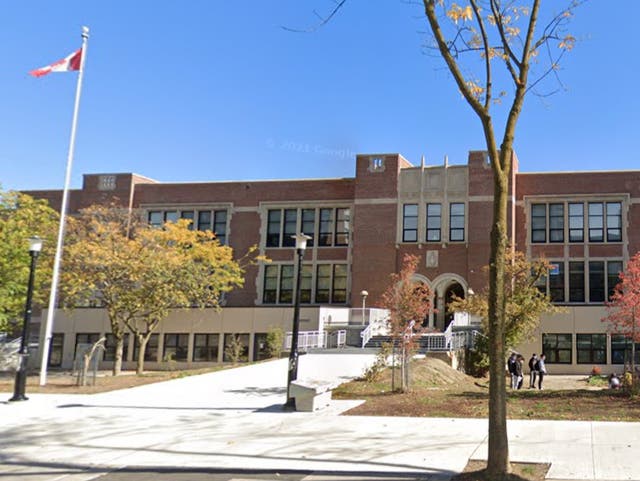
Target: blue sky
<point x="215" y="90"/>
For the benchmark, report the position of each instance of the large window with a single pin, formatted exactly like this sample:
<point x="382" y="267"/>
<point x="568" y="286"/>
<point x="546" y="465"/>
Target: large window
<point x="621" y="350"/>
<point x="150" y="352"/>
<point x="260" y="346"/>
<point x="613" y="276"/>
<point x="330" y="282"/>
<point x="410" y="223"/>
<point x="538" y="222"/>
<point x="576" y="222"/>
<point x="110" y="347"/>
<point x="214" y="220"/>
<point x="592" y="348"/>
<point x="557" y="348"/>
<point x="596" y="281"/>
<point x="205" y="347"/>
<point x="87" y="339"/>
<point x="56" y="349"/>
<point x="456" y="222"/>
<point x="556" y="222"/>
<point x="176" y="347"/>
<point x="332" y="226"/>
<point x="434" y="222"/>
<point x="576" y="282"/>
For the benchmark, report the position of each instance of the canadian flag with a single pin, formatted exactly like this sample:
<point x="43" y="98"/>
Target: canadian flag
<point x="67" y="64"/>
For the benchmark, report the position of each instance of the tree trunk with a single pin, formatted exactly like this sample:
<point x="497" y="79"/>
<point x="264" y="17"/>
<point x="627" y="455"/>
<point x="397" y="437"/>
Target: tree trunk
<point x="498" y="452"/>
<point x="142" y="342"/>
<point x="117" y="361"/>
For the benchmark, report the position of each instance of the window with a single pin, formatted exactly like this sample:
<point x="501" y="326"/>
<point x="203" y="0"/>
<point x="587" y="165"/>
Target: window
<point x="614" y="221"/>
<point x="323" y="283"/>
<point x="273" y="228"/>
<point x="204" y="220"/>
<point x="56" y="349"/>
<point x="270" y="292"/>
<point x="176" y="347"/>
<point x="220" y="225"/>
<point x="290" y="227"/>
<point x="156" y="218"/>
<point x="621" y="350"/>
<point x="456" y="222"/>
<point x="286" y="284"/>
<point x="434" y="222"/>
<point x="613" y="276"/>
<point x="306" y="283"/>
<point x="85" y="338"/>
<point x="243" y="340"/>
<point x="189" y="215"/>
<point x="150" y="352"/>
<point x="342" y="227"/>
<point x="557" y="348"/>
<point x="410" y="223"/>
<point x="339" y="290"/>
<point x="596" y="222"/>
<point x="556" y="222"/>
<point x="576" y="222"/>
<point x="205" y="347"/>
<point x="538" y="223"/>
<point x="556" y="282"/>
<point x="325" y="227"/>
<point x="309" y="224"/>
<point x="260" y="347"/>
<point x="110" y="347"/>
<point x="576" y="282"/>
<point x="596" y="281"/>
<point x="171" y="216"/>
<point x="592" y="348"/>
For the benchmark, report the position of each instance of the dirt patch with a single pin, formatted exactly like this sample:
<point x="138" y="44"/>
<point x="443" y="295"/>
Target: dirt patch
<point x="437" y="390"/>
<point x="474" y="471"/>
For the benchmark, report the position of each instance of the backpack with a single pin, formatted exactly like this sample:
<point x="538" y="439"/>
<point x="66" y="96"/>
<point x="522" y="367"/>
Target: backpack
<point x="536" y="366"/>
<point x="532" y="364"/>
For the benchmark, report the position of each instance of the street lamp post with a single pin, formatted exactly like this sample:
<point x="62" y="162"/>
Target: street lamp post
<point x="35" y="245"/>
<point x="364" y="295"/>
<point x="292" y="375"/>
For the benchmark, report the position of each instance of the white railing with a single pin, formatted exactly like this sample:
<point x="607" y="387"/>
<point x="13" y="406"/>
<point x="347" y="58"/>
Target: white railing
<point x="443" y="341"/>
<point x="307" y="340"/>
<point x="341" y="338"/>
<point x="366" y="335"/>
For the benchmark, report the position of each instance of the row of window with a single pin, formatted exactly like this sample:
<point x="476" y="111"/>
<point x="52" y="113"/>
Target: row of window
<point x="213" y="220"/>
<point x="602" y="222"/>
<point x="590" y="349"/>
<point x="330" y="286"/>
<point x="588" y="281"/>
<point x="410" y="222"/>
<point x="175" y="347"/>
<point x="325" y="226"/>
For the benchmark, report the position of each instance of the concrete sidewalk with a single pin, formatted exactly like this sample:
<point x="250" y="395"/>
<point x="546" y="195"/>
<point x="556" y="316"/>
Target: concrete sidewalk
<point x="231" y="421"/>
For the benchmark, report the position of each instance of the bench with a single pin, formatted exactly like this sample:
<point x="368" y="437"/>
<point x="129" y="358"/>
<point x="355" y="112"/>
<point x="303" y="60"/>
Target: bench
<point x="311" y="395"/>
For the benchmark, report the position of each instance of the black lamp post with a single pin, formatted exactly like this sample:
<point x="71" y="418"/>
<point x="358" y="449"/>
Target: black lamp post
<point x="35" y="245"/>
<point x="301" y="245"/>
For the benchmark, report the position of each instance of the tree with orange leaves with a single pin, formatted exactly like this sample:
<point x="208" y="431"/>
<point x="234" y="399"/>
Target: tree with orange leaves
<point x="408" y="303"/>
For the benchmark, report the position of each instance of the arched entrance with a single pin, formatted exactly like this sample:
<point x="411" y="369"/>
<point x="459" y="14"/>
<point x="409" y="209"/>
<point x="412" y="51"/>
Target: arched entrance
<point x="445" y="287"/>
<point x="452" y="291"/>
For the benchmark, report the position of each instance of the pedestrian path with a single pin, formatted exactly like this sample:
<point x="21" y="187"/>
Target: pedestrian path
<point x="231" y="421"/>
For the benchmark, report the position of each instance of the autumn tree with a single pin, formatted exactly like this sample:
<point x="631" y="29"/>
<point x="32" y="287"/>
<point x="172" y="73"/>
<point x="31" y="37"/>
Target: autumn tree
<point x="22" y="217"/>
<point x="408" y="303"/>
<point x="623" y="307"/>
<point x="524" y="301"/>
<point x="139" y="273"/>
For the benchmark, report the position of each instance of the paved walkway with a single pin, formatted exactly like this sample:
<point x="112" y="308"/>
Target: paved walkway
<point x="229" y="425"/>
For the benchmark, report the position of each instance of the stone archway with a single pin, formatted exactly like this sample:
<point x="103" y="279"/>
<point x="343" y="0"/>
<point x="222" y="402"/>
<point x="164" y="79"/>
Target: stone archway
<point x="445" y="286"/>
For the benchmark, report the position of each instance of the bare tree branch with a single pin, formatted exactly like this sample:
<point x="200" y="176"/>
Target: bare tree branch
<point x="323" y="20"/>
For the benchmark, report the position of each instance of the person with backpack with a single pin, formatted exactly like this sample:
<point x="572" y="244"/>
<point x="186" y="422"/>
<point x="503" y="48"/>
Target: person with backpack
<point x="532" y="371"/>
<point x="542" y="369"/>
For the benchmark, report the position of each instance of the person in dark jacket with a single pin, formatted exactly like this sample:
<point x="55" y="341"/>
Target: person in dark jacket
<point x="519" y="371"/>
<point x="532" y="371"/>
<point x="542" y="369"/>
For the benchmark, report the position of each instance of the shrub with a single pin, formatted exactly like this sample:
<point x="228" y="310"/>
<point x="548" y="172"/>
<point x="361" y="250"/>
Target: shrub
<point x="235" y="349"/>
<point x="275" y="341"/>
<point x="372" y="373"/>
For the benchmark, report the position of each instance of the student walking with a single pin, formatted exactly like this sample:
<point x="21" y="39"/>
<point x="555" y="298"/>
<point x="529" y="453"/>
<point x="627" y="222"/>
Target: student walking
<point x="542" y="370"/>
<point x="519" y="371"/>
<point x="532" y="371"/>
<point x="511" y="366"/>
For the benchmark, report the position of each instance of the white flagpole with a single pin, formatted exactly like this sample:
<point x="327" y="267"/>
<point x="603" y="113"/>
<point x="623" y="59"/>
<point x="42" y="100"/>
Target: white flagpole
<point x="53" y="298"/>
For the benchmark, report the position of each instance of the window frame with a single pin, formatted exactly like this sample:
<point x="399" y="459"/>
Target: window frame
<point x="552" y="353"/>
<point x="208" y="347"/>
<point x="181" y="350"/>
<point x="592" y="349"/>
<point x="435" y="217"/>
<point x="410" y="223"/>
<point x="453" y="216"/>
